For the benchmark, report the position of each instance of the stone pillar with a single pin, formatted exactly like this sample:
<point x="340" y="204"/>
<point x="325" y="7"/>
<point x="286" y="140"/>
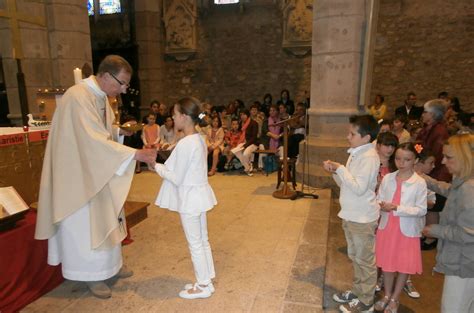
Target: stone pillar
<point x="49" y="53"/>
<point x="337" y="50"/>
<point x="69" y="39"/>
<point x="149" y="34"/>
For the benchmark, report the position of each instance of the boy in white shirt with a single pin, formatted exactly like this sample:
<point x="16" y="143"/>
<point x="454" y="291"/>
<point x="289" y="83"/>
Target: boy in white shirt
<point x="359" y="211"/>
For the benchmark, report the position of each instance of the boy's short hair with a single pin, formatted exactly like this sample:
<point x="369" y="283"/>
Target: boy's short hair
<point x="366" y="124"/>
<point x="401" y="118"/>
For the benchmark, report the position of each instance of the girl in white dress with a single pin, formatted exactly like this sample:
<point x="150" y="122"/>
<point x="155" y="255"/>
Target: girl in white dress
<point x="186" y="190"/>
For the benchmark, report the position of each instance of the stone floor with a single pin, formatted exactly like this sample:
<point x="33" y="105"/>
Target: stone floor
<point x="270" y="255"/>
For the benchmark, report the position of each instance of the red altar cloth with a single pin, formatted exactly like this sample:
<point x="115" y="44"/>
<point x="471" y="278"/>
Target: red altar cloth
<point x="24" y="274"/>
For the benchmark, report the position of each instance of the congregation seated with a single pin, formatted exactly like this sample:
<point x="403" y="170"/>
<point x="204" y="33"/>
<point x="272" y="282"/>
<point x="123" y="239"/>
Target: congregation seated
<point x="215" y="143"/>
<point x="267" y="102"/>
<point x="232" y="139"/>
<point x="169" y="137"/>
<point x="398" y="129"/>
<point x="287" y="102"/>
<point x="151" y="133"/>
<point x="409" y="109"/>
<point x="271" y="138"/>
<point x="283" y="111"/>
<point x="379" y="109"/>
<point x="245" y="150"/>
<point x="297" y="130"/>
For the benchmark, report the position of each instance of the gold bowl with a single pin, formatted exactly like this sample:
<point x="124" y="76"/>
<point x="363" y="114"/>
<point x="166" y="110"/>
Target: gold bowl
<point x="132" y="127"/>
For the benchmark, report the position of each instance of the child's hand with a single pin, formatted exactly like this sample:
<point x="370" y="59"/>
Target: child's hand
<point x="387" y="207"/>
<point x="327" y="166"/>
<point x="124" y="132"/>
<point x="330" y="166"/>
<point x="427" y="231"/>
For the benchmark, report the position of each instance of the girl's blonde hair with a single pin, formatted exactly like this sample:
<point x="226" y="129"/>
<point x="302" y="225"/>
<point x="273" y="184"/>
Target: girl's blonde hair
<point x="463" y="146"/>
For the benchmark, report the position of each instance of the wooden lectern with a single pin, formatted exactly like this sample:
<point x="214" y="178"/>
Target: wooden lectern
<point x="285" y="192"/>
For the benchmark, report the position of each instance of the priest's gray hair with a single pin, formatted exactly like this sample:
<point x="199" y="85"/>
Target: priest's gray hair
<point x="437" y="107"/>
<point x="114" y="64"/>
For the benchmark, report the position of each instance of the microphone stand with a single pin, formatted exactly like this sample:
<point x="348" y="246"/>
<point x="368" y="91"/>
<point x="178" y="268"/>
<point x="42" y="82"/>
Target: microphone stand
<point x="302" y="194"/>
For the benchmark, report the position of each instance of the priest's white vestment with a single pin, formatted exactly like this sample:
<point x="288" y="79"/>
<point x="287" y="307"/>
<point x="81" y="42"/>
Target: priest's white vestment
<point x="85" y="180"/>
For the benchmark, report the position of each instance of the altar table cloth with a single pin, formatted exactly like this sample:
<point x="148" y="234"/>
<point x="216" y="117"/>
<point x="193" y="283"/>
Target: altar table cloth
<point x="24" y="273"/>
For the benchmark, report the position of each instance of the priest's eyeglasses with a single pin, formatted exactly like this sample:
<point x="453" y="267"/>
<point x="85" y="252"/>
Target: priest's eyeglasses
<point x="121" y="83"/>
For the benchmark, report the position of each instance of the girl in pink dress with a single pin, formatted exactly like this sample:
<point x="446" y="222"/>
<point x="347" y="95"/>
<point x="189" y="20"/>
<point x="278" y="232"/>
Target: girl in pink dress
<point x="151" y="133"/>
<point x="402" y="197"/>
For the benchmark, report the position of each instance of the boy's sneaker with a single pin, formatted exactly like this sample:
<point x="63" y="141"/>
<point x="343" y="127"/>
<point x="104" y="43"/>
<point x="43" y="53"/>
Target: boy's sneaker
<point x="357" y="307"/>
<point x="411" y="290"/>
<point x="344" y="297"/>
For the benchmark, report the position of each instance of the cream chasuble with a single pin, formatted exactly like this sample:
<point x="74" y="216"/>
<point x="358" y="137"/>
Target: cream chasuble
<point x="84" y="169"/>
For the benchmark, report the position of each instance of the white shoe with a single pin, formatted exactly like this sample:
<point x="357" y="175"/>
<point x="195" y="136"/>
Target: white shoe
<point x="210" y="285"/>
<point x="205" y="292"/>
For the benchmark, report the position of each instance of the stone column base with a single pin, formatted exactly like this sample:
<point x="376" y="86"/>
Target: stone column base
<point x="319" y="150"/>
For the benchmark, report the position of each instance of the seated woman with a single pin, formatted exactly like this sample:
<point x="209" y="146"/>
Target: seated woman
<point x="379" y="108"/>
<point x="168" y="139"/>
<point x="215" y="143"/>
<point x="246" y="150"/>
<point x="297" y="131"/>
<point x="282" y="109"/>
<point x="271" y="135"/>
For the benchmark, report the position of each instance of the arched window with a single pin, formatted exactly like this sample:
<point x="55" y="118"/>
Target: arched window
<point x="225" y="1"/>
<point x="104" y="6"/>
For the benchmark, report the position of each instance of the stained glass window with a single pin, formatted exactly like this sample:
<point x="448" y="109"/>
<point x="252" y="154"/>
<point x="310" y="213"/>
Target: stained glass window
<point x="90" y="7"/>
<point x="225" y="1"/>
<point x="110" y="6"/>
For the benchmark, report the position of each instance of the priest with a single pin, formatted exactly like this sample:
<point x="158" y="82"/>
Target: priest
<point x="85" y="180"/>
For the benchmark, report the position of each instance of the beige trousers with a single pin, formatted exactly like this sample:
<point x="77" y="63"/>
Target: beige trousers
<point x="458" y="295"/>
<point x="360" y="239"/>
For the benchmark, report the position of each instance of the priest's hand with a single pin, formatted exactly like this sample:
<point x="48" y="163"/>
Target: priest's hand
<point x="124" y="132"/>
<point x="146" y="155"/>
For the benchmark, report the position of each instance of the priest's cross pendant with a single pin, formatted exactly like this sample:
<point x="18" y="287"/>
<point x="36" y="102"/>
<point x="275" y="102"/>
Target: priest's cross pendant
<point x="15" y="17"/>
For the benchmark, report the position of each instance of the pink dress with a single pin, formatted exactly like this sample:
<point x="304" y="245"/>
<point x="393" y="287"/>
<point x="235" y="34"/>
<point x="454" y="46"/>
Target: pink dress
<point x="394" y="251"/>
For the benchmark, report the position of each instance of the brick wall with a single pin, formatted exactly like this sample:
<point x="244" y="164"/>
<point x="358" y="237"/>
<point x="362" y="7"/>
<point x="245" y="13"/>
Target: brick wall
<point x="425" y="47"/>
<point x="239" y="56"/>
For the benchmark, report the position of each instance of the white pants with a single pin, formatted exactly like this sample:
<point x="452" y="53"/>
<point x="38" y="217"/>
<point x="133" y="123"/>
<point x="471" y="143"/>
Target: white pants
<point x="245" y="156"/>
<point x="458" y="295"/>
<point x="195" y="229"/>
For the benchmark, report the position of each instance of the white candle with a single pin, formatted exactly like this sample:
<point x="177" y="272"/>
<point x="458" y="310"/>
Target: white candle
<point x="77" y="75"/>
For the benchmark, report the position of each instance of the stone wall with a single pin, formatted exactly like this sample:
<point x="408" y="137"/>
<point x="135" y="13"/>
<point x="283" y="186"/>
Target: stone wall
<point x="239" y="55"/>
<point x="425" y="47"/>
<point x="50" y="52"/>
